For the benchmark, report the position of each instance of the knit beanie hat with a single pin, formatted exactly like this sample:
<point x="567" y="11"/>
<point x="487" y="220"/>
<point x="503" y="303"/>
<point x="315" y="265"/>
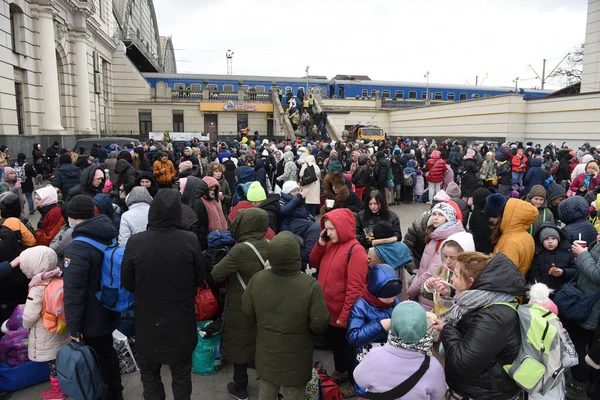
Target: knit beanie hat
<point x="409" y="322"/>
<point x="8" y="170"/>
<point x="537" y="191"/>
<point x="289" y="186"/>
<point x="549" y="231"/>
<point x="539" y="294"/>
<point x="64" y="159"/>
<point x="80" y="207"/>
<point x="494" y="205"/>
<point x="333" y="155"/>
<point x="453" y="190"/>
<point x="480" y="196"/>
<point x="446" y="210"/>
<point x="185" y="165"/>
<point x="383" y="230"/>
<point x="256" y="192"/>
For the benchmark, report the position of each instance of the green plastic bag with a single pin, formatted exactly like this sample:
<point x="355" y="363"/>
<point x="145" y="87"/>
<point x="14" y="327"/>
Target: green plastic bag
<point x="207" y="355"/>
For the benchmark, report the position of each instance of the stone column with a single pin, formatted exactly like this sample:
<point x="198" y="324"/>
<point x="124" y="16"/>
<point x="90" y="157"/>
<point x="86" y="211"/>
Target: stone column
<point x="49" y="71"/>
<point x="84" y="122"/>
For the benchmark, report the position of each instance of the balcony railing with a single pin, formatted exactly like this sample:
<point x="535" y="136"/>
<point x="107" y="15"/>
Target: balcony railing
<point x="187" y="94"/>
<point x="212" y="95"/>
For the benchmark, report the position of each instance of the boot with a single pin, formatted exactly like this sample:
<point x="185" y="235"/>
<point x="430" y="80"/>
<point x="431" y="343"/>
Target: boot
<point x="576" y="390"/>
<point x="347" y="390"/>
<point x="54" y="393"/>
<point x="339" y="377"/>
<point x="238" y="392"/>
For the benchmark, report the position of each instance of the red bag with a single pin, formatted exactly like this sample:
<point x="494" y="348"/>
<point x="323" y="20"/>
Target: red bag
<point x="329" y="389"/>
<point x="207" y="305"/>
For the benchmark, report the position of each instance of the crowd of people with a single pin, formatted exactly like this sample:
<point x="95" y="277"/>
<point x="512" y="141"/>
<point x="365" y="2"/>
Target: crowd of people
<point x="388" y="304"/>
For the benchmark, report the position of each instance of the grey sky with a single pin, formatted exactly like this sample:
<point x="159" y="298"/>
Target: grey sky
<point x="387" y="40"/>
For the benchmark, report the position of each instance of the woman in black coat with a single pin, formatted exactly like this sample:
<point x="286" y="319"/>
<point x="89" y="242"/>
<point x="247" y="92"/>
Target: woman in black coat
<point x="479" y="223"/>
<point x="480" y="336"/>
<point x="376" y="210"/>
<point x="468" y="176"/>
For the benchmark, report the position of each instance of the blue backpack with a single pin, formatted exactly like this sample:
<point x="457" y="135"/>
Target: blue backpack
<point x="217" y="239"/>
<point x="112" y="295"/>
<point x="79" y="373"/>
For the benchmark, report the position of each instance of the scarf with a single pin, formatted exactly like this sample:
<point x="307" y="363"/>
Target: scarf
<point x="422" y="346"/>
<point x="216" y="219"/>
<point x="44" y="276"/>
<point x="470" y="300"/>
<point x="374" y="300"/>
<point x="586" y="182"/>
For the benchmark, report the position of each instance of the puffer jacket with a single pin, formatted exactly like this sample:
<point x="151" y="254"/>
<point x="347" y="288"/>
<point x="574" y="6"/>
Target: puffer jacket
<point x="588" y="281"/>
<point x="238" y="341"/>
<point x="381" y="170"/>
<point x="519" y="164"/>
<point x="342" y="266"/>
<point x="470" y="172"/>
<point x="579" y="181"/>
<point x="580" y="168"/>
<point x="290" y="170"/>
<point x="534" y="175"/>
<point x="478" y="225"/>
<point x="52" y="219"/>
<point x="364" y="323"/>
<point x="430" y="261"/>
<point x="573" y="212"/>
<point x="415" y="237"/>
<point x="370" y="221"/>
<point x="436" y="167"/>
<point x="486" y="339"/>
<point x="284" y="345"/>
<point x="515" y="242"/>
<point x="195" y="189"/>
<point x="86" y="187"/>
<point x="43" y="344"/>
<point x="66" y="177"/>
<point x="135" y="219"/>
<point x="291" y="207"/>
<point x="126" y="175"/>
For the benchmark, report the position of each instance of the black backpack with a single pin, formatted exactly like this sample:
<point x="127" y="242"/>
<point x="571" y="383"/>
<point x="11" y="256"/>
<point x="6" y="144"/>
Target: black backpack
<point x="309" y="176"/>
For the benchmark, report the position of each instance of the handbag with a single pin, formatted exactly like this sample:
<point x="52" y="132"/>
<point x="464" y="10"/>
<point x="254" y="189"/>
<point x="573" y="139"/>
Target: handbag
<point x="207" y="305"/>
<point x="573" y="304"/>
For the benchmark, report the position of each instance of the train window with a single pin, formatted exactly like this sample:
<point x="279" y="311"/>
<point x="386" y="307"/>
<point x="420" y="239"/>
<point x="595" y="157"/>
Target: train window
<point x="412" y="95"/>
<point x="196" y="87"/>
<point x="260" y="88"/>
<point x="374" y="93"/>
<point x="399" y="94"/>
<point x="463" y="96"/>
<point x="487" y="96"/>
<point x="424" y="95"/>
<point x="179" y="86"/>
<point x="288" y="89"/>
<point x="365" y="93"/>
<point x="451" y="96"/>
<point x="340" y="92"/>
<point x="228" y="88"/>
<point x="437" y="96"/>
<point x="211" y="87"/>
<point x="474" y="96"/>
<point x="385" y="94"/>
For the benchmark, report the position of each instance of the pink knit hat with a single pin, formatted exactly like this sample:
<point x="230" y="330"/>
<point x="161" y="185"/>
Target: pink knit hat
<point x="540" y="295"/>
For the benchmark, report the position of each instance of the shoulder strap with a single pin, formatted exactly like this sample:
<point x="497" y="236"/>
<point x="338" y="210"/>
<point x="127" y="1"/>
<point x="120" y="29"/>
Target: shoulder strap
<point x="96" y="244"/>
<point x="402" y="389"/>
<point x="350" y="252"/>
<point x="257" y="253"/>
<point x="512" y="305"/>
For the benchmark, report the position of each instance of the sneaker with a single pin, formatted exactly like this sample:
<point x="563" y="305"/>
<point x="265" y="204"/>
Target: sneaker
<point x="237" y="393"/>
<point x="347" y="390"/>
<point x="339" y="377"/>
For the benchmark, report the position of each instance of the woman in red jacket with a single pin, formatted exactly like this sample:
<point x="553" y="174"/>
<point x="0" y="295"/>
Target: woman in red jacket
<point x="342" y="264"/>
<point x="437" y="168"/>
<point x="46" y="202"/>
<point x="519" y="166"/>
<point x="586" y="181"/>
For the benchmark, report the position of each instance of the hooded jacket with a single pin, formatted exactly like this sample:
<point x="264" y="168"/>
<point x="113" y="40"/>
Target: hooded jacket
<point x="515" y="242"/>
<point x="290" y="171"/>
<point x="309" y="232"/>
<point x="135" y="219"/>
<point x="165" y="324"/>
<point x="66" y="177"/>
<point x="534" y="175"/>
<point x="195" y="189"/>
<point x="292" y="207"/>
<point x="588" y="281"/>
<point x="364" y="323"/>
<point x="314" y="189"/>
<point x="272" y="207"/>
<point x="260" y="174"/>
<point x="342" y="266"/>
<point x="149" y="176"/>
<point x="469" y="176"/>
<point x="238" y="341"/>
<point x="415" y="237"/>
<point x="43" y="344"/>
<point x="436" y="167"/>
<point x="574" y="212"/>
<point x="363" y="175"/>
<point x="366" y="219"/>
<point x="486" y="339"/>
<point x="126" y="175"/>
<point x="338" y="188"/>
<point x="284" y="346"/>
<point x="82" y="270"/>
<point x="52" y="219"/>
<point x="86" y="186"/>
<point x="381" y="170"/>
<point x="580" y="168"/>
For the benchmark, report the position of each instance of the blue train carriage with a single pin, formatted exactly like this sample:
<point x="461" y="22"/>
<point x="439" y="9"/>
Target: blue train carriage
<point x="225" y="87"/>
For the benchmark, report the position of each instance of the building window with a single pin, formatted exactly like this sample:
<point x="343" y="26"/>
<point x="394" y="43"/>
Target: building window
<point x="486" y="96"/>
<point x="451" y="96"/>
<point x="242" y="121"/>
<point x="365" y="93"/>
<point x="16" y="17"/>
<point x="145" y="118"/>
<point x="437" y="96"/>
<point x="385" y="94"/>
<point x="412" y="95"/>
<point x="399" y="94"/>
<point x="474" y="96"/>
<point x="178" y="121"/>
<point x="20" y="107"/>
<point x="463" y="96"/>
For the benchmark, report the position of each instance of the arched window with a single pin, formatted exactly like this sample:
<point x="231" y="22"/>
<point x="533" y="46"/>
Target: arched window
<point x="16" y="24"/>
<point x="62" y="90"/>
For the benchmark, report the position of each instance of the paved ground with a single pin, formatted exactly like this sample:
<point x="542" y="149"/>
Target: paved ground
<point x="213" y="387"/>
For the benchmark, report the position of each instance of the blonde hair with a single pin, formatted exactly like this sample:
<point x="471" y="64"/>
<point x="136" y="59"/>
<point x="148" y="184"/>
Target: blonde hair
<point x="593" y="165"/>
<point x="472" y="264"/>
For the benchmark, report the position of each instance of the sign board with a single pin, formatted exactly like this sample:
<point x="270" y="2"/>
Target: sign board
<point x="179" y="136"/>
<point x="236" y="106"/>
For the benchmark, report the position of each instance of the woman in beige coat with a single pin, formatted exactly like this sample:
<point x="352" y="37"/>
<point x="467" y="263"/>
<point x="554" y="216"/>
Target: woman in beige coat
<point x="313" y="199"/>
<point x="40" y="265"/>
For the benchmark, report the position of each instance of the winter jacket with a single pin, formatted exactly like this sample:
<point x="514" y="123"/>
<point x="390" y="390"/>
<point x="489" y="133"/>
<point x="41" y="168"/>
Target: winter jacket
<point x="338" y="188"/>
<point x="135" y="219"/>
<point x="82" y="269"/>
<point x="486" y="339"/>
<point x="588" y="281"/>
<point x="436" y="167"/>
<point x="534" y="175"/>
<point x="564" y="170"/>
<point x="260" y="175"/>
<point x="364" y="323"/>
<point x="380" y="171"/>
<point x="290" y="171"/>
<point x="515" y="242"/>
<point x="238" y="341"/>
<point x="309" y="233"/>
<point x="126" y="175"/>
<point x="153" y="189"/>
<point x="168" y="175"/>
<point x="430" y="261"/>
<point x="165" y="325"/>
<point x="51" y="223"/>
<point x="469" y="176"/>
<point x="561" y="257"/>
<point x="504" y="172"/>
<point x="397" y="171"/>
<point x="284" y="339"/>
<point x="519" y="164"/>
<point x="86" y="186"/>
<point x="370" y="221"/>
<point x="314" y="189"/>
<point x="272" y="207"/>
<point x="229" y="173"/>
<point x="195" y="189"/>
<point x="66" y="177"/>
<point x="227" y="195"/>
<point x="363" y="175"/>
<point x="60" y="243"/>
<point x="415" y="237"/>
<point x="30" y="173"/>
<point x="478" y="225"/>
<point x="580" y="168"/>
<point x="574" y="212"/>
<point x="334" y="166"/>
<point x="291" y="207"/>
<point x="342" y="266"/>
<point x="579" y="181"/>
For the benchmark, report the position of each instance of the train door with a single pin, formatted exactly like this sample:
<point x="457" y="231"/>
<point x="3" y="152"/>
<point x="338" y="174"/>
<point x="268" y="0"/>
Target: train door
<point x="340" y="92"/>
<point x="211" y="126"/>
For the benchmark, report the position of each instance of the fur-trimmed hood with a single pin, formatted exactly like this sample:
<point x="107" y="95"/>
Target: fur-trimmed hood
<point x="336" y="187"/>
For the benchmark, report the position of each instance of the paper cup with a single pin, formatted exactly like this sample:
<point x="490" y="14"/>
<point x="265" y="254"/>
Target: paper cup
<point x="582" y="243"/>
<point x="329" y="203"/>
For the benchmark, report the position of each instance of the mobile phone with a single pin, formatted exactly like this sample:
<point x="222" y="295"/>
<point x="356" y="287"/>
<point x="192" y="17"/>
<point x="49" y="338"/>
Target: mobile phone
<point x="325" y="236"/>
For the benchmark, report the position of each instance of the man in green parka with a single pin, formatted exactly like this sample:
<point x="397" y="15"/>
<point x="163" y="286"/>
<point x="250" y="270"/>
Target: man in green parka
<point x="289" y="308"/>
<point x="238" y="340"/>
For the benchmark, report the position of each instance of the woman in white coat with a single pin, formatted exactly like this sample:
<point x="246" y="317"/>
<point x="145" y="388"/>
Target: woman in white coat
<point x="40" y="265"/>
<point x="313" y="199"/>
<point x="135" y="220"/>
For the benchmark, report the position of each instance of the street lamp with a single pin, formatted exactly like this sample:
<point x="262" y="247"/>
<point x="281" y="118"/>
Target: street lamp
<point x="307" y="68"/>
<point x="426" y="76"/>
<point x="516" y="81"/>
